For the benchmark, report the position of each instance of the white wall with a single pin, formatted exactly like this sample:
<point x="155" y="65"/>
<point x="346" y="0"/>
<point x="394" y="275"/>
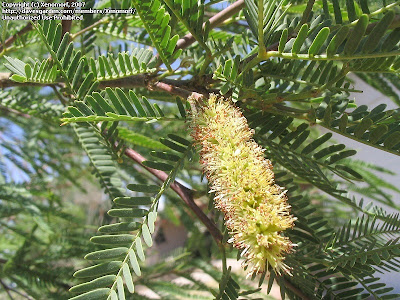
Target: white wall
<point x="372" y="98"/>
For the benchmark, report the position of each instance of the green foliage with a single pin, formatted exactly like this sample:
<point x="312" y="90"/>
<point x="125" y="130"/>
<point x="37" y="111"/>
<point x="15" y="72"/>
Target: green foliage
<point x="42" y="72"/>
<point x="156" y="21"/>
<point x="119" y="106"/>
<point x="101" y="158"/>
<point x="105" y="68"/>
<point x="119" y="83"/>
<point x="123" y="261"/>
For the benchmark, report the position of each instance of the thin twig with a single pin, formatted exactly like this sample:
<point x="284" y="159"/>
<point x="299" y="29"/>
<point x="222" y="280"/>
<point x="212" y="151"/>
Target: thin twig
<point x="11" y="39"/>
<point x="15" y="112"/>
<point x="216" y="20"/>
<point x="62" y="99"/>
<point x="295" y="290"/>
<point x="94" y="25"/>
<point x="21" y="294"/>
<point x="6" y="288"/>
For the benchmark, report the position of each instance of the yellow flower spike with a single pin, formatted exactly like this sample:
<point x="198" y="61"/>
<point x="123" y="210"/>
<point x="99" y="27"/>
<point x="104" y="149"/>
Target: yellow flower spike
<point x="256" y="209"/>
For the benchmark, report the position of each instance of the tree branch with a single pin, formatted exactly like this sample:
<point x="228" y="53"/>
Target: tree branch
<point x="183" y="192"/>
<point x="141" y="80"/>
<point x="6" y="82"/>
<point x="8" y="110"/>
<point x="295" y="290"/>
<point x="214" y="22"/>
<point x="11" y="39"/>
<point x="94" y="25"/>
<point x="173" y="87"/>
<point x="66" y="24"/>
<point x="174" y="90"/>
